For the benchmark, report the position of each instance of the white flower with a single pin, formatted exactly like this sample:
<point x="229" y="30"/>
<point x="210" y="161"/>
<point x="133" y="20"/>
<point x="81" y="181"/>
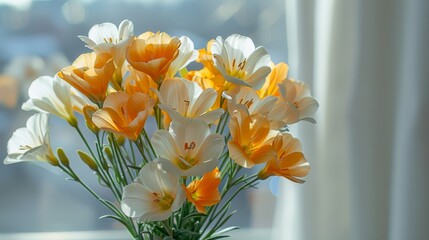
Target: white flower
<point x="250" y="99"/>
<point x="239" y="62"/>
<point x="154" y="196"/>
<point x="51" y="95"/>
<point x="106" y="37"/>
<point x="188" y="149"/>
<point x="295" y="103"/>
<point x="79" y="101"/>
<point x="31" y="143"/>
<point x="181" y="96"/>
<point x="187" y="54"/>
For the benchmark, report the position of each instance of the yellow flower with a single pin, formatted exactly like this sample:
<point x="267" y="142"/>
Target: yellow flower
<point x="153" y="53"/>
<point x="251" y="139"/>
<point x="277" y="75"/>
<point x="90" y="73"/>
<point x="204" y="192"/>
<point x="289" y="161"/>
<point x="124" y="114"/>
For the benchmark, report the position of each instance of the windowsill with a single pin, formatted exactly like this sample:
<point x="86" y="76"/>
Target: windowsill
<point x="247" y="234"/>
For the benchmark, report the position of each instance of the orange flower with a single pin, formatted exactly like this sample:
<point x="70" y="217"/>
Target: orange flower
<point x="124" y="114"/>
<point x="251" y="139"/>
<point x="289" y="161"/>
<point x="152" y="53"/>
<point x="277" y="75"/>
<point x="204" y="192"/>
<point x="138" y="81"/>
<point x="90" y="73"/>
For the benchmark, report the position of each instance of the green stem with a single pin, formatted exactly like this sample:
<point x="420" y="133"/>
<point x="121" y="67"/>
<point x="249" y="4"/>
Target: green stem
<point x="126" y="221"/>
<point x="84" y="140"/>
<point x="167" y="228"/>
<point x="146" y="136"/>
<point x="121" y="174"/>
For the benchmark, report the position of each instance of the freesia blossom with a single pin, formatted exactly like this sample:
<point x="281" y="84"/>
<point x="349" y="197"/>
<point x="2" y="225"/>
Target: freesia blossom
<point x="80" y="101"/>
<point x="187" y="54"/>
<point x="154" y="196"/>
<point x="295" y="104"/>
<point x="240" y="62"/>
<point x="153" y="53"/>
<point x="188" y="149"/>
<point x="108" y="38"/>
<point x="209" y="76"/>
<point x="184" y="97"/>
<point x="289" y="161"/>
<point x="277" y="75"/>
<point x="137" y="81"/>
<point x="251" y="139"/>
<point x="31" y="143"/>
<point x="249" y="98"/>
<point x="51" y="95"/>
<point x="90" y="73"/>
<point x="124" y="114"/>
<point x="204" y="192"/>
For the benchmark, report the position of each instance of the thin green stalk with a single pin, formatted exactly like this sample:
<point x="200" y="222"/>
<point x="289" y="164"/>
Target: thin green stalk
<point x="141" y="150"/>
<point x="119" y="165"/>
<point x="149" y="142"/>
<point x="129" y="224"/>
<point x="167" y="228"/>
<point x="84" y="140"/>
<point x="124" y="163"/>
<point x="132" y="153"/>
<point x="225" y="205"/>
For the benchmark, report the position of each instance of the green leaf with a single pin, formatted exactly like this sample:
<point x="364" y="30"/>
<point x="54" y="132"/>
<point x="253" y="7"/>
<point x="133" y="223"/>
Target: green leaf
<point x="115" y="218"/>
<point x="216" y="237"/>
<point x="225" y="230"/>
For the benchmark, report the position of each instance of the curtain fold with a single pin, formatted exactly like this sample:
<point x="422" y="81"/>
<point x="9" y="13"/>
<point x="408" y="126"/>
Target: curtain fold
<point x="367" y="64"/>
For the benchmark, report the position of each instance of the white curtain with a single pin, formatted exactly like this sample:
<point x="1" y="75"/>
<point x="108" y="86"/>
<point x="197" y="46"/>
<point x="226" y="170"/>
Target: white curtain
<point x="368" y="64"/>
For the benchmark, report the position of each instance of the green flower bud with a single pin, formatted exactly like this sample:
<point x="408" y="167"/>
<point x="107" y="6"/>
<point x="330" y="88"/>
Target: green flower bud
<point x="63" y="158"/>
<point x="88" y="160"/>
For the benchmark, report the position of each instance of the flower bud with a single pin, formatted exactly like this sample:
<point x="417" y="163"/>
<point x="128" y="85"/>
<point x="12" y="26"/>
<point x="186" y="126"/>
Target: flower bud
<point x="88" y="111"/>
<point x="52" y="160"/>
<point x="108" y="151"/>
<point x="88" y="160"/>
<point x="63" y="158"/>
<point x="120" y="139"/>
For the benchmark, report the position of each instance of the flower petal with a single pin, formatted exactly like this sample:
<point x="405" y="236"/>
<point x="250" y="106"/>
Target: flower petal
<point x="164" y="145"/>
<point x="135" y="200"/>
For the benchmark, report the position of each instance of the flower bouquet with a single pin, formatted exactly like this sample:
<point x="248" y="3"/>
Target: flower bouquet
<point x="212" y="124"/>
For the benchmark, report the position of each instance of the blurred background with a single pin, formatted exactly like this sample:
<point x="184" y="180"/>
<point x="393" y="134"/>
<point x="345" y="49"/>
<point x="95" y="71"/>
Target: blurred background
<point x="365" y="61"/>
<point x="39" y="37"/>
